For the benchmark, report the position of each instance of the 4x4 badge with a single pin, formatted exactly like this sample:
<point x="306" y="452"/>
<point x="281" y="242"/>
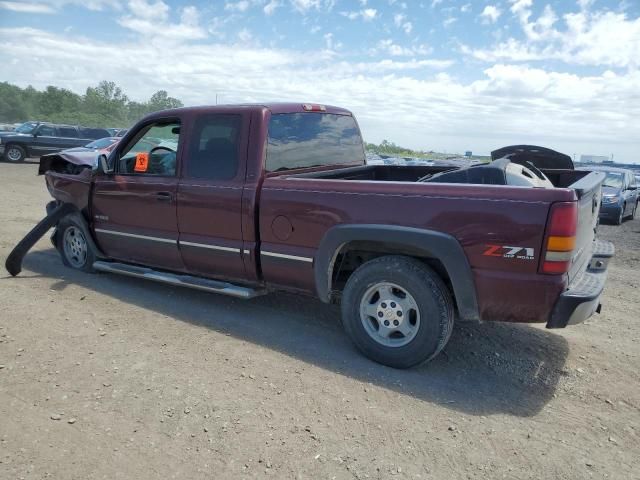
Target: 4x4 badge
<point x="505" y="251"/>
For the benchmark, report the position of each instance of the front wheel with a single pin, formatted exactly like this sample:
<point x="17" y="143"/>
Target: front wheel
<point x="618" y="221"/>
<point x="397" y="311"/>
<point x="75" y="250"/>
<point x="15" y="154"/>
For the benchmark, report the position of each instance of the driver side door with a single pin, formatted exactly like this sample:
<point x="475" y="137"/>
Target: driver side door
<point x="134" y="208"/>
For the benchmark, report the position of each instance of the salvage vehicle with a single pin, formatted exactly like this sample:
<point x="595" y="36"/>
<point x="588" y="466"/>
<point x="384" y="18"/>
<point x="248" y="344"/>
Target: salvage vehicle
<point x="619" y="194"/>
<point x="269" y="197"/>
<point x="32" y="139"/>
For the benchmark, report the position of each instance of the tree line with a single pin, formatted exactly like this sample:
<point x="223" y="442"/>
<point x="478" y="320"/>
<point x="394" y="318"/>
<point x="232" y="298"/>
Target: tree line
<point x="105" y="105"/>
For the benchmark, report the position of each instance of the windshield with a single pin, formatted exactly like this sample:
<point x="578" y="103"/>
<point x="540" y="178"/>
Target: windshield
<point x="26" y="127"/>
<point x="102" y="143"/>
<point x="613" y="179"/>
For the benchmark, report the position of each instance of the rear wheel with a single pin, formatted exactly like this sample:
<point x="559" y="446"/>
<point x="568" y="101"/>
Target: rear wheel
<point x="15" y="154"/>
<point x="632" y="215"/>
<point x="397" y="311"/>
<point x="75" y="250"/>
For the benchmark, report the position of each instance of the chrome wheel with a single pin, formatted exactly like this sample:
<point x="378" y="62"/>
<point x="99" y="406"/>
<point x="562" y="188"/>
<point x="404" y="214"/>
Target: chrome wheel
<point x="14" y="154"/>
<point x="75" y="247"/>
<point x="389" y="314"/>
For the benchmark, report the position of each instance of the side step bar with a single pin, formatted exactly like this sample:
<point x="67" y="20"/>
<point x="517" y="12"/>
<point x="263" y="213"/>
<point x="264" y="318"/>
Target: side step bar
<point x="189" y="281"/>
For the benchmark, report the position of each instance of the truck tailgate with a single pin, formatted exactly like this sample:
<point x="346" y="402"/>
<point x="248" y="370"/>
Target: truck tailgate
<point x="588" y="190"/>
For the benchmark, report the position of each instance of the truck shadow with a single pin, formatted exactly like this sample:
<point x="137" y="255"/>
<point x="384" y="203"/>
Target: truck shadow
<point x="485" y="369"/>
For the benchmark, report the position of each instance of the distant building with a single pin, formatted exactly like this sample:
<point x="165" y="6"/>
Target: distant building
<point x="594" y="159"/>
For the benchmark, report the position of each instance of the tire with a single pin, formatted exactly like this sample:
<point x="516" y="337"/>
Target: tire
<point x="397" y="311"/>
<point x="75" y="250"/>
<point x="618" y="221"/>
<point x="14" y="154"/>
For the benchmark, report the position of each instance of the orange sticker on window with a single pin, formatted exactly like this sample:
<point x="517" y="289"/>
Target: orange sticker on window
<point x="142" y="162"/>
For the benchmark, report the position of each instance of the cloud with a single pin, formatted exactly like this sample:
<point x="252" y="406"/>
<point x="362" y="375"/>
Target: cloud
<point x="388" y="47"/>
<point x="27" y="7"/>
<point x="241" y="6"/>
<point x="54" y="6"/>
<point x="400" y="21"/>
<point x="449" y="21"/>
<point x="366" y="14"/>
<point x="303" y="6"/>
<point x="152" y="20"/>
<point x="270" y="7"/>
<point x="397" y="97"/>
<point x="490" y="14"/>
<point x="149" y="10"/>
<point x="600" y="38"/>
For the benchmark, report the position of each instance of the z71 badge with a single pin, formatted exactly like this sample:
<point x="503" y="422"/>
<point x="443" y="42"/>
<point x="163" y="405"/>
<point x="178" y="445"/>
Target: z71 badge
<point x="504" y="251"/>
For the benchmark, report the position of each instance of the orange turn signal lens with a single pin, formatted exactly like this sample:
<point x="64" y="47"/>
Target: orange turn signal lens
<point x="561" y="244"/>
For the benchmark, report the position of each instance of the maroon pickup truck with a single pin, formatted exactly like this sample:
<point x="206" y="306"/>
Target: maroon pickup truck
<point x="246" y="199"/>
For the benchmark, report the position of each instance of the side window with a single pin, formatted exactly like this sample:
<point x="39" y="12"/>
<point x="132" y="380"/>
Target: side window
<point x="213" y="150"/>
<point x="153" y="151"/>
<point x="46" y="131"/>
<point x="68" y="132"/>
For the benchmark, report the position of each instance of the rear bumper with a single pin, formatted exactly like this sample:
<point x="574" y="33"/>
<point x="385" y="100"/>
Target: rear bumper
<point x="582" y="298"/>
<point x="1" y="149"/>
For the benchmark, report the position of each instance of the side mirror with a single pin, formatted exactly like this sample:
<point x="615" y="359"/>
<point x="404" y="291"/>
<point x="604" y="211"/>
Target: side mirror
<point x="103" y="164"/>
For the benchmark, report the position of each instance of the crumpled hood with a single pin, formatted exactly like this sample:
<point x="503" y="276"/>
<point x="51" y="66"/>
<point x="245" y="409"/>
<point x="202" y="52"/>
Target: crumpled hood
<point x="85" y="158"/>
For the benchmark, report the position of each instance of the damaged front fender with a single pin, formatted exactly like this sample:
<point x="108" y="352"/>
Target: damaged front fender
<point x="13" y="264"/>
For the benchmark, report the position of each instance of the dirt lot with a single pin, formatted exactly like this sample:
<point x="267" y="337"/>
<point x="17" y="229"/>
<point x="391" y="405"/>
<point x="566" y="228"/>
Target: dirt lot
<point x="110" y="377"/>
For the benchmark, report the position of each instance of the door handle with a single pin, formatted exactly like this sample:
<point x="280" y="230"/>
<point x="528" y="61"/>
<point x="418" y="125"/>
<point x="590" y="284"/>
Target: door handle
<point x="163" y="196"/>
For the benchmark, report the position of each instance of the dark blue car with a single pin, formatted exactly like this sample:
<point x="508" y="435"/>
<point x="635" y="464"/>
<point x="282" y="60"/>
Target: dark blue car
<point x="619" y="194"/>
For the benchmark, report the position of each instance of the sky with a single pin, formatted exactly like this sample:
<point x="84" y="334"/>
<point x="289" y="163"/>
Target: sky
<point x="442" y="75"/>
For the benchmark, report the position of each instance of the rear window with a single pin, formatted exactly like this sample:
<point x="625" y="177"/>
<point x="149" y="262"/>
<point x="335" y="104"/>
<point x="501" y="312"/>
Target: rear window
<point x="299" y="140"/>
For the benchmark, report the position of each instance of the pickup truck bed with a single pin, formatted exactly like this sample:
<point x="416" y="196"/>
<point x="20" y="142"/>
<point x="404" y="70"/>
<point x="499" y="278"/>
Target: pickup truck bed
<point x="251" y="198"/>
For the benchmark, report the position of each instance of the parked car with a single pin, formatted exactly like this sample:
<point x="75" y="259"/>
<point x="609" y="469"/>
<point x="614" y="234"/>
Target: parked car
<point x="33" y="139"/>
<point x="278" y="197"/>
<point x="619" y="194"/>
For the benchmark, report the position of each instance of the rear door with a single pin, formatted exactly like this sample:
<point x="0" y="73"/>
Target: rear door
<point x="134" y="209"/>
<point x="69" y="137"/>
<point x="210" y="195"/>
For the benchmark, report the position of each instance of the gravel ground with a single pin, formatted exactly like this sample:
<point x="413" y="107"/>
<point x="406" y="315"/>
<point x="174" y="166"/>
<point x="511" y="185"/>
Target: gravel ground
<point x="104" y="376"/>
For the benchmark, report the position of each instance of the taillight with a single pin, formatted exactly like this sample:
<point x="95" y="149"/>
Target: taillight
<point x="561" y="238"/>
